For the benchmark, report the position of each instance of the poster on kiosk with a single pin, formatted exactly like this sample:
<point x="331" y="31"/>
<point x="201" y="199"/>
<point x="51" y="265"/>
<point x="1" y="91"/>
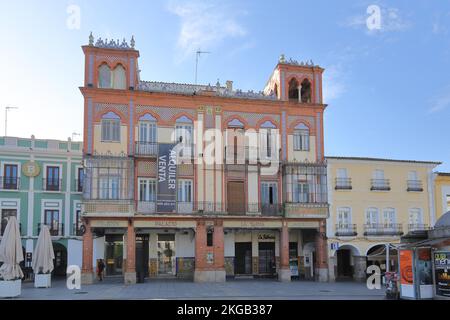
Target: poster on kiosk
<point x="416" y="274"/>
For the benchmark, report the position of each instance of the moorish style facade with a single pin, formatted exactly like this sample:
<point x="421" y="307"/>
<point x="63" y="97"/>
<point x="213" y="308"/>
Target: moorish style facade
<point x="160" y="200"/>
<point x="41" y="183"/>
<point x="373" y="202"/>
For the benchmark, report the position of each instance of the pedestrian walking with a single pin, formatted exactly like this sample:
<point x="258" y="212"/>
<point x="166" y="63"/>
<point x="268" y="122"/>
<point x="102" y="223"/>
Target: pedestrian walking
<point x="100" y="268"/>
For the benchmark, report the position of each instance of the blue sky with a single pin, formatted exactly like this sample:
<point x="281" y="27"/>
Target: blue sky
<point x="388" y="90"/>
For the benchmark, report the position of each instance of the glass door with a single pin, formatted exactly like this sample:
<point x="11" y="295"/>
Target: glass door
<point x="114" y="254"/>
<point x="166" y="254"/>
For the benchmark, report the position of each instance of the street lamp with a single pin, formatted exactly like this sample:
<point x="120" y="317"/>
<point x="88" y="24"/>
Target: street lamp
<point x="6" y="118"/>
<point x="75" y="134"/>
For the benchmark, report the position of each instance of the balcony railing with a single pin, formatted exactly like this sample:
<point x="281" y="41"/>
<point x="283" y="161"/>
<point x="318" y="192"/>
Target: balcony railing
<point x="56" y="229"/>
<point x="343" y="184"/>
<point x="383" y="229"/>
<point x="417" y="227"/>
<point x="146" y="149"/>
<point x="9" y="183"/>
<point x="3" y="227"/>
<point x="380" y="185"/>
<point x="52" y="184"/>
<point x="346" y="230"/>
<point x="275" y="209"/>
<point x="414" y="185"/>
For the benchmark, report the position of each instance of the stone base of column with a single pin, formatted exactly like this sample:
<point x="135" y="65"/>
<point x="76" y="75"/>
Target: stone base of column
<point x="284" y="275"/>
<point x="359" y="271"/>
<point x="129" y="278"/>
<point x="87" y="278"/>
<point x="331" y="269"/>
<point x="322" y="274"/>
<point x="209" y="276"/>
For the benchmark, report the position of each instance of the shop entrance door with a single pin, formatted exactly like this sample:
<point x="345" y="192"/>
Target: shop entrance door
<point x="166" y="254"/>
<point x="142" y="256"/>
<point x="344" y="269"/>
<point x="243" y="260"/>
<point x="267" y="258"/>
<point x="114" y="254"/>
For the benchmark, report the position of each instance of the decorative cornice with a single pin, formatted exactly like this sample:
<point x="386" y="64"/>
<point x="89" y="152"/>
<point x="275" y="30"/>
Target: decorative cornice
<point x="112" y="44"/>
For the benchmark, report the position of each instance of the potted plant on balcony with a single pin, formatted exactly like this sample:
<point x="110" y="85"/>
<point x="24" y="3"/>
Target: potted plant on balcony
<point x="43" y="256"/>
<point x="11" y="255"/>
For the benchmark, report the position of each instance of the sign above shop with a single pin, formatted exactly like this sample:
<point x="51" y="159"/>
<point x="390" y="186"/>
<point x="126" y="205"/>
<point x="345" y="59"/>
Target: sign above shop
<point x="109" y="224"/>
<point x="164" y="224"/>
<point x="252" y="224"/>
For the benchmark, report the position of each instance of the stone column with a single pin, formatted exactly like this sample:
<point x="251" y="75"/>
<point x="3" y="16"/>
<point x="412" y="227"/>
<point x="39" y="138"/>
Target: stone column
<point x="87" y="272"/>
<point x="284" y="273"/>
<point x="321" y="253"/>
<point x="255" y="253"/>
<point x="360" y="266"/>
<point x="130" y="273"/>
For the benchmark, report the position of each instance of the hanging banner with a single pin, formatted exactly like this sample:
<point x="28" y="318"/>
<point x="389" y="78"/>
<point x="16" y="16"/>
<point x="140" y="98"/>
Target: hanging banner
<point x="442" y="273"/>
<point x="166" y="199"/>
<point x="406" y="274"/>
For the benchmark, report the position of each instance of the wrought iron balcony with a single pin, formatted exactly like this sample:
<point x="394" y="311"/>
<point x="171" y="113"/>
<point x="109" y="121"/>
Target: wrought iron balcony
<point x="383" y="229"/>
<point x="52" y="184"/>
<point x="414" y="185"/>
<point x="56" y="229"/>
<point x="343" y="184"/>
<point x="9" y="183"/>
<point x="275" y="209"/>
<point x="346" y="230"/>
<point x="146" y="149"/>
<point x="380" y="185"/>
<point x="417" y="227"/>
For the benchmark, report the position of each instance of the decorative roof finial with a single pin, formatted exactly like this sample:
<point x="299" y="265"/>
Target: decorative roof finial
<point x="282" y="58"/>
<point x="218" y="83"/>
<point x="132" y="42"/>
<point x="91" y="39"/>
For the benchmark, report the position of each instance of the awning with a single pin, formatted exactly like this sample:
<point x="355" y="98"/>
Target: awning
<point x="423" y="243"/>
<point x="380" y="254"/>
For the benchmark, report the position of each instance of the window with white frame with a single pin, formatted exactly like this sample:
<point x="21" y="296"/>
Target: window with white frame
<point x="184" y="191"/>
<point x="147" y="131"/>
<point x="301" y="192"/>
<point x="104" y="76"/>
<point x="415" y="217"/>
<point x="344" y="218"/>
<point x="269" y="194"/>
<point x="389" y="217"/>
<point x="184" y="136"/>
<point x="301" y="138"/>
<point x="119" y="79"/>
<point x="372" y="216"/>
<point x="147" y="190"/>
<point x="268" y="139"/>
<point x="110" y="127"/>
<point x="10" y="176"/>
<point x="109" y="188"/>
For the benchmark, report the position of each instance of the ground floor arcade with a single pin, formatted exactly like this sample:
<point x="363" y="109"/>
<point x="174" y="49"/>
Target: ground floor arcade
<point x="205" y="249"/>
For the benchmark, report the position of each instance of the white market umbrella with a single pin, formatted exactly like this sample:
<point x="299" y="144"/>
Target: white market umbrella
<point x="11" y="253"/>
<point x="43" y="254"/>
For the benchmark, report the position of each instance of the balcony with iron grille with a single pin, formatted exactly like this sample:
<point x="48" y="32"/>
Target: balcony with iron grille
<point x="49" y="184"/>
<point x="343" y="184"/>
<point x="146" y="149"/>
<point x="9" y="183"/>
<point x="346" y="230"/>
<point x="380" y="185"/>
<point x="77" y="230"/>
<point x="417" y="227"/>
<point x="56" y="229"/>
<point x="414" y="186"/>
<point x="383" y="229"/>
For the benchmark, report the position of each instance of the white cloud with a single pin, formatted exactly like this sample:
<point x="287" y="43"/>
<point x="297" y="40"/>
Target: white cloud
<point x="391" y="21"/>
<point x="441" y="102"/>
<point x="204" y="25"/>
<point x="333" y="83"/>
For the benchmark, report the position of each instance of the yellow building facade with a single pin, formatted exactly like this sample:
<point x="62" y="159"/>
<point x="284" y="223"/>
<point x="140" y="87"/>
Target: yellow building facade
<point x="374" y="202"/>
<point x="442" y="193"/>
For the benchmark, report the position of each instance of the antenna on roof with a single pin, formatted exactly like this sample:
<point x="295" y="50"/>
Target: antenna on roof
<point x="197" y="55"/>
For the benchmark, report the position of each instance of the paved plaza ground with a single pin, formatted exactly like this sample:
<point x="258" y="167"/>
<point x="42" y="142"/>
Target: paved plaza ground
<point x="113" y="288"/>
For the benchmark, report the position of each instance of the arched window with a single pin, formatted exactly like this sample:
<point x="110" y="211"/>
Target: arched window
<point x="119" y="78"/>
<point x="184" y="131"/>
<point x="104" y="76"/>
<point x="111" y="127"/>
<point x="306" y="91"/>
<point x="267" y="138"/>
<point x="293" y="90"/>
<point x="301" y="138"/>
<point x="147" y="134"/>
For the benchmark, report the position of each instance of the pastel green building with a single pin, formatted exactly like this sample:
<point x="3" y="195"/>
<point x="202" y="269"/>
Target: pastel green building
<point x="41" y="183"/>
